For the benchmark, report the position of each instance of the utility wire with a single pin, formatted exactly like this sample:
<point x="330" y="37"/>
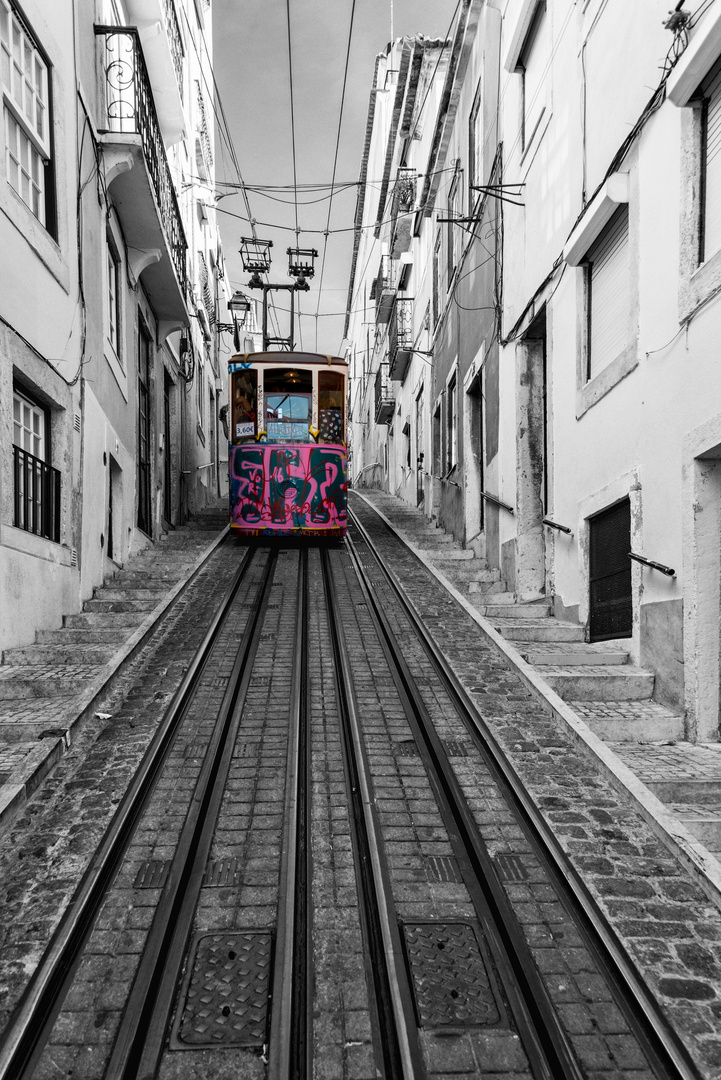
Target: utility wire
<point x="335" y="166"/>
<point x="292" y="124"/>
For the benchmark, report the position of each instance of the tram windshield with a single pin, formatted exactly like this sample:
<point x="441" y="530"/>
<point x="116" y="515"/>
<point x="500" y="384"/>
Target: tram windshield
<point x="330" y="407"/>
<point x="245" y="398"/>
<point x="288" y="405"/>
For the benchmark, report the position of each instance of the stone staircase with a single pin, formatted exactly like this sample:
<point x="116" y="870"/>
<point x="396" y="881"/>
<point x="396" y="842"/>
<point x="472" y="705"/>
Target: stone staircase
<point x="38" y="681"/>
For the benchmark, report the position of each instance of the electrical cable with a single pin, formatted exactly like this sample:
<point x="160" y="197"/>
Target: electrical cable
<point x="335" y="166"/>
<point x="292" y="124"/>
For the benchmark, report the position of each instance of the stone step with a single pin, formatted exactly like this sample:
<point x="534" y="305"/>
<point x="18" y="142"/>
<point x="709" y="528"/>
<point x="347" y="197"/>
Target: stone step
<point x="104" y="619"/>
<point x="45" y="655"/>
<point x="448" y="554"/>
<point x="478" y="589"/>
<point x="129" y="594"/>
<point x="684" y="791"/>
<point x="513" y="612"/>
<point x="579" y="656"/>
<point x="120" y="605"/>
<point x="549" y="629"/>
<point x="704" y="822"/>
<point x="618" y="729"/>
<point x="599" y="683"/>
<point x="24" y="687"/>
<point x="100" y="635"/>
<point x="153" y="582"/>
<point x="467" y="571"/>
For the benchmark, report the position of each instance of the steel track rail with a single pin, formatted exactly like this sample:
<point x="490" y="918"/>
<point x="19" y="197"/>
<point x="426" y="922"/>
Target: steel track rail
<point x="549" y="1051"/>
<point x="141" y="1037"/>
<point x="290" y="1048"/>
<point x="399" y="1052"/>
<point x="669" y="1056"/>
<point x="30" y="1022"/>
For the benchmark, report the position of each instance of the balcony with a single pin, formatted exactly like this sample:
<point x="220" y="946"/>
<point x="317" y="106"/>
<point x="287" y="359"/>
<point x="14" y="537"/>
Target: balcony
<point x="162" y="43"/>
<point x="138" y="176"/>
<point x="384" y="400"/>
<point x="385" y="289"/>
<point x="400" y="338"/>
<point x="37" y="496"/>
<point x="203" y="148"/>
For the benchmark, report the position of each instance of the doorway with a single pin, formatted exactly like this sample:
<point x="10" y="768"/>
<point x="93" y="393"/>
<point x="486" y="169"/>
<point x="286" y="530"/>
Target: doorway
<point x="420" y="489"/>
<point x="610" y="599"/>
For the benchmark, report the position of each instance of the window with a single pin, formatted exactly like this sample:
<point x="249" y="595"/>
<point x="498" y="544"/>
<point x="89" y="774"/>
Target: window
<point x="330" y="407"/>
<point x="113" y="296"/>
<point x="532" y="64"/>
<point x="25" y="89"/>
<point x="36" y="485"/>
<point x="288" y="404"/>
<point x="475" y="146"/>
<point x="200" y="396"/>
<point x="452" y="228"/>
<point x="436" y="279"/>
<point x="608" y="273"/>
<point x="245" y="404"/>
<point x="710" y="224"/>
<point x="452" y="427"/>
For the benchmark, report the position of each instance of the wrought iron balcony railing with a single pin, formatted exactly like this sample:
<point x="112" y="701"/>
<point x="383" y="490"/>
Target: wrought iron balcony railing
<point x="384" y="400"/>
<point x="37" y="496"/>
<point x="172" y="28"/>
<point x="400" y="337"/>
<point x="130" y="110"/>
<point x="205" y="158"/>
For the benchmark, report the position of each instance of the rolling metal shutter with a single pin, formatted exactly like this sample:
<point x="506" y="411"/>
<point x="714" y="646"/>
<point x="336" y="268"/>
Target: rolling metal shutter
<point x="711" y="169"/>
<point x="610" y="607"/>
<point x="609" y="300"/>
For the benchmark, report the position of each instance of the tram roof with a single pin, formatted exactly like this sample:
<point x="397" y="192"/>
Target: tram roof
<point x="282" y="357"/>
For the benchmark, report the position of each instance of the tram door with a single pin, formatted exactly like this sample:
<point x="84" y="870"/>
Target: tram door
<point x="420" y="491"/>
<point x="610" y="607"/>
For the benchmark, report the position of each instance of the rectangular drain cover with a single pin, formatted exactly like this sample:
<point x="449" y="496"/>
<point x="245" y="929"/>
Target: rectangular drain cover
<point x="511" y="868"/>
<point x="222" y="873"/>
<point x="225" y="992"/>
<point x="455" y="748"/>
<point x="408" y="748"/>
<point x="195" y="750"/>
<point x="152" y="874"/>
<point x="450" y="977"/>
<point x="246" y="749"/>
<point x="443" y="868"/>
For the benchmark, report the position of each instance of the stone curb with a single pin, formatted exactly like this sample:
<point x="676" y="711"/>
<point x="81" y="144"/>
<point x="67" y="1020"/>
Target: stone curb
<point x="674" y="834"/>
<point x="36" y="765"/>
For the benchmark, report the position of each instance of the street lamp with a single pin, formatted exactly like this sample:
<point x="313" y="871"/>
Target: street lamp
<point x="239" y="305"/>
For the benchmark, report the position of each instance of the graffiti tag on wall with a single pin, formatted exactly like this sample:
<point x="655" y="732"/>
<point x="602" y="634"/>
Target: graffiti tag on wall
<point x="282" y="488"/>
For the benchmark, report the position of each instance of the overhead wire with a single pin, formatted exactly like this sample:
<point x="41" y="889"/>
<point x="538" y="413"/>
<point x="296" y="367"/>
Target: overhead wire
<point x="335" y="167"/>
<point x="292" y="124"/>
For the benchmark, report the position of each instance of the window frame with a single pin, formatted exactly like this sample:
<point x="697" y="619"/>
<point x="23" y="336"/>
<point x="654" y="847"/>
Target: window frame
<point x="588" y="265"/>
<point x="26" y="399"/>
<point x="113" y="298"/>
<point x="538" y="20"/>
<point x="32" y="155"/>
<point x="475" y="144"/>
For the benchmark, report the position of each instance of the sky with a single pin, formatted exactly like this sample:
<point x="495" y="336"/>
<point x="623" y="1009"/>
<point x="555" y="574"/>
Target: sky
<point x="252" y="72"/>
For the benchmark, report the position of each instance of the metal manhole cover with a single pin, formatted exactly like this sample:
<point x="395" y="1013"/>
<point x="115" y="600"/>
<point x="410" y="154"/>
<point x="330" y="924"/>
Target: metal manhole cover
<point x="450" y="976"/>
<point x="222" y="873"/>
<point x="225" y="992"/>
<point x="408" y="748"/>
<point x="511" y="868"/>
<point x="195" y="750"/>
<point x="247" y="749"/>
<point x="152" y="874"/>
<point x="455" y="748"/>
<point x="443" y="868"/>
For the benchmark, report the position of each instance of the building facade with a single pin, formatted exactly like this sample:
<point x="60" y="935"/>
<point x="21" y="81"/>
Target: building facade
<point x="566" y="226"/>
<point x="110" y="385"/>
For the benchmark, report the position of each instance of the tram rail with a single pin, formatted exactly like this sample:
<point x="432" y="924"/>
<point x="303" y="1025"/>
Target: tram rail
<point x="549" y="1050"/>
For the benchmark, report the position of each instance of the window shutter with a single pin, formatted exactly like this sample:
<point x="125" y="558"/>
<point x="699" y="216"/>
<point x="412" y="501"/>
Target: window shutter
<point x="711" y="226"/>
<point x="609" y="286"/>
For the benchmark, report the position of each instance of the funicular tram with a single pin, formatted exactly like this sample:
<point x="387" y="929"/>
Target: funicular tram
<point x="287" y="456"/>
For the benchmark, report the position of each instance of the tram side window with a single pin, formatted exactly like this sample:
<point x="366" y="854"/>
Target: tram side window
<point x="288" y="404"/>
<point x="331" y="419"/>
<point x="245" y="404"/>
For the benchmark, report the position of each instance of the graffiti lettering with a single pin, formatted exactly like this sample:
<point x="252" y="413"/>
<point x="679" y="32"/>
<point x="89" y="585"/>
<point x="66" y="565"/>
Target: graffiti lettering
<point x="288" y="488"/>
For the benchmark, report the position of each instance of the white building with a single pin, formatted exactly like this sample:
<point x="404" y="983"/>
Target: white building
<point x="109" y="380"/>
<point x="576" y="384"/>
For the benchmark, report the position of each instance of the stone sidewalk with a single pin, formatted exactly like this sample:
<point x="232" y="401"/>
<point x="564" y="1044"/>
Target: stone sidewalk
<point x="676" y="785"/>
<point x="49" y="691"/>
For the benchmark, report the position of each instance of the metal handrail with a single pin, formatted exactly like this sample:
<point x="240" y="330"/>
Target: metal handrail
<point x="555" y="525"/>
<point x="498" y="502"/>
<point x="667" y="570"/>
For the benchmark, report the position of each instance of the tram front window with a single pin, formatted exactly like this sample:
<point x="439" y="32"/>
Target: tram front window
<point x="288" y="405"/>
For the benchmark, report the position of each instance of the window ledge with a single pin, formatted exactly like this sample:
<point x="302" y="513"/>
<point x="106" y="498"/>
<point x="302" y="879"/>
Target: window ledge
<point x="38" y="547"/>
<point x="596" y="215"/>
<point x="519" y="33"/>
<point x="529" y="151"/>
<point x="697" y="60"/>
<point x="34" y="234"/>
<point x="597" y="387"/>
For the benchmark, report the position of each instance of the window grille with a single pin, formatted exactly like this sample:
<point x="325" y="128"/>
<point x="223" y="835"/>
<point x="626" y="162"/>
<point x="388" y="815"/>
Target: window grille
<point x="608" y="277"/>
<point x="36" y="485"/>
<point x="25" y="111"/>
